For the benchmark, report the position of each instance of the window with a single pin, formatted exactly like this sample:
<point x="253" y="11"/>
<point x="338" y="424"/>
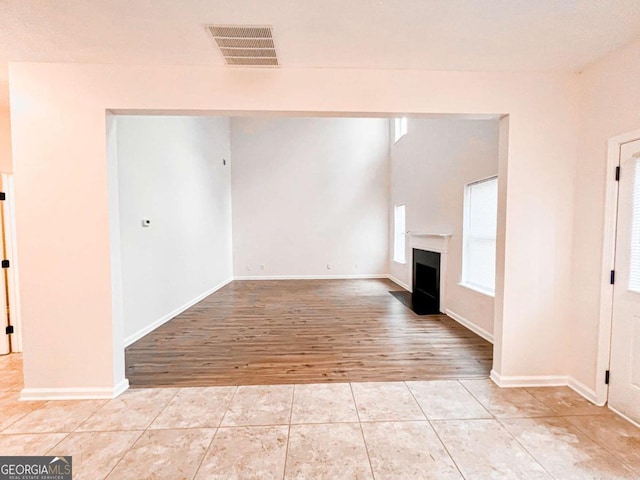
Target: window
<point x="479" y="235"/>
<point x="399" y="128"/>
<point x="399" y="234"/>
<point x="634" y="267"/>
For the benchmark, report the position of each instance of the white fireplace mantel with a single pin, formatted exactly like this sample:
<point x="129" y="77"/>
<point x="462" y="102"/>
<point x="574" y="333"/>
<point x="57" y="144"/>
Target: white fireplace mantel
<point x="433" y="242"/>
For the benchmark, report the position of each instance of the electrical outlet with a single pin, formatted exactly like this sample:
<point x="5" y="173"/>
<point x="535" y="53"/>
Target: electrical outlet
<point x="262" y="267"/>
<point x="248" y="268"/>
<point x="328" y="266"/>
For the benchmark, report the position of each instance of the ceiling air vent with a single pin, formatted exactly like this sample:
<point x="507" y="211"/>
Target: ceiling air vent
<point x="242" y="45"/>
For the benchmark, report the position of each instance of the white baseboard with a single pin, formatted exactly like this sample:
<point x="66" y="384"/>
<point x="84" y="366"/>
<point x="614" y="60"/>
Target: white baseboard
<point x="470" y="325"/>
<point x="151" y="327"/>
<point x="74" y="393"/>
<point x="583" y="390"/>
<point x="507" y="381"/>
<point x="310" y="277"/>
<point x="398" y="282"/>
<point x="631" y="420"/>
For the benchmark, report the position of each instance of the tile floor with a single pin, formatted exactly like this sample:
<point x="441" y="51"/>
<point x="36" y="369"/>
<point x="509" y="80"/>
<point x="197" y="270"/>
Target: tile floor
<point x="395" y="430"/>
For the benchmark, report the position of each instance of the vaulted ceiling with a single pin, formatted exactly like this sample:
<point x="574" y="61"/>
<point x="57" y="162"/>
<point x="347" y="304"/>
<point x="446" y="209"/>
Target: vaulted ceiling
<point x="484" y="35"/>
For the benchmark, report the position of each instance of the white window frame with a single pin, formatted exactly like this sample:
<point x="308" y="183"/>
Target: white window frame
<point x="400" y="128"/>
<point x="399" y="237"/>
<point x="465" y="240"/>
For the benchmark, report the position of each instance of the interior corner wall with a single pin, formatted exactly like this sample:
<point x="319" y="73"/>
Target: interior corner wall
<point x="498" y="301"/>
<point x="6" y="165"/>
<point x="310" y="197"/>
<point x="610" y="107"/>
<point x="430" y="167"/>
<point x="171" y="172"/>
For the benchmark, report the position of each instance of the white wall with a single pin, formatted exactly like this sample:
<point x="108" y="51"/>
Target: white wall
<point x="429" y="168"/>
<point x="611" y="106"/>
<point x="310" y="192"/>
<point x="170" y="171"/>
<point x="71" y="337"/>
<point x="5" y="142"/>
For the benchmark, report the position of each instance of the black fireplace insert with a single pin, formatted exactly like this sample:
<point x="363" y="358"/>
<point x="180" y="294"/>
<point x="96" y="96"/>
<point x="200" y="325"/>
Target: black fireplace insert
<point x="426" y="282"/>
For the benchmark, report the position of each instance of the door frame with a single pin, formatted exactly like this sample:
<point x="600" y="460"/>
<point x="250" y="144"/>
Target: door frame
<point x="10" y="238"/>
<point x="608" y="261"/>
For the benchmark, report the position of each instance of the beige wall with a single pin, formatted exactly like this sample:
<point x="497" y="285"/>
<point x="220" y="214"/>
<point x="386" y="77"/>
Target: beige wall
<point x="307" y="193"/>
<point x="5" y="142"/>
<point x="610" y="107"/>
<point x="171" y="171"/>
<point x="73" y="333"/>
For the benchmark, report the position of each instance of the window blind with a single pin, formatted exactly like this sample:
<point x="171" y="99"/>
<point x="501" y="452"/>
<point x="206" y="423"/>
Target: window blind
<point x="479" y="250"/>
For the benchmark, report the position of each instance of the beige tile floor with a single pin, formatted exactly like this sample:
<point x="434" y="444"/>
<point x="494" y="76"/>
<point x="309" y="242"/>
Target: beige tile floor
<point x="395" y="430"/>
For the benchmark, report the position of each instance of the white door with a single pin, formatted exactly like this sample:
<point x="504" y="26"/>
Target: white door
<point x="624" y="386"/>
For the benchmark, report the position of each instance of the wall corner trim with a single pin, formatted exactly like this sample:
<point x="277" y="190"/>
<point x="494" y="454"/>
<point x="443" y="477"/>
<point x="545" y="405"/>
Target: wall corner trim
<point x="470" y="325"/>
<point x="74" y="393"/>
<point x="164" y="319"/>
<point x="513" y="381"/>
<point x="585" y="391"/>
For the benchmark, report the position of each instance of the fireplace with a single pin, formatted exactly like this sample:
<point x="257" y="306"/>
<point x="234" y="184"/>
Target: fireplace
<point x="426" y="282"/>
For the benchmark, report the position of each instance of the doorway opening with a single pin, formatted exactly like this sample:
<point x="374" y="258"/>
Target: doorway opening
<point x="10" y="338"/>
<point x="304" y="210"/>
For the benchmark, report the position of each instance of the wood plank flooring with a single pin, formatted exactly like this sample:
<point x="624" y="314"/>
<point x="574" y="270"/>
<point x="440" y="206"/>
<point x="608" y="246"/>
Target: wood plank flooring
<point x="304" y="331"/>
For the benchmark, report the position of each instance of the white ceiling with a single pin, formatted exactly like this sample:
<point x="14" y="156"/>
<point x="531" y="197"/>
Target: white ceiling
<point x="487" y="35"/>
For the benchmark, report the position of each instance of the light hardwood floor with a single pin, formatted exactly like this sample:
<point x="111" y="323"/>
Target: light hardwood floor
<point x="307" y="331"/>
